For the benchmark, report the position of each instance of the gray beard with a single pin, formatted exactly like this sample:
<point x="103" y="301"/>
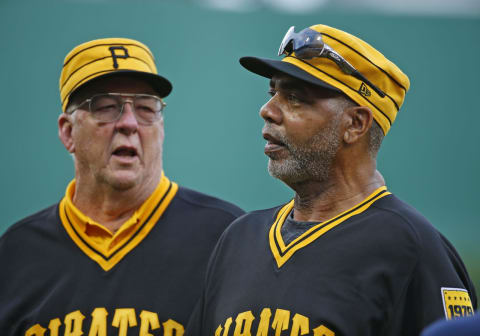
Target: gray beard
<point x="310" y="161"/>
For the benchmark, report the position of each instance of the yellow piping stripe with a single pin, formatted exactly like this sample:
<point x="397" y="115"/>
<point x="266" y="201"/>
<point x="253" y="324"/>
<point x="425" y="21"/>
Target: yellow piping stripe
<point x="146" y="208"/>
<point x="147" y="228"/>
<point x="281" y="256"/>
<point x="71" y="232"/>
<point x="385" y="117"/>
<point x="281" y="219"/>
<point x="80" y="238"/>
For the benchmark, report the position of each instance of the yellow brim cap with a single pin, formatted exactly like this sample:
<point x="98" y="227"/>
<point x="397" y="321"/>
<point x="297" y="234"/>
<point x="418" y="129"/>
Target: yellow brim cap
<point x="109" y="57"/>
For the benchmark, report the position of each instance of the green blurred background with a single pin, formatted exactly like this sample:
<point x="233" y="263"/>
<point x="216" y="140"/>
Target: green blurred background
<point x="213" y="143"/>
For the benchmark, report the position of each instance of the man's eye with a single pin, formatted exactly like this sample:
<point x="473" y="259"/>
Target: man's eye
<point x="294" y="100"/>
<point x="145" y="109"/>
<point x="105" y="108"/>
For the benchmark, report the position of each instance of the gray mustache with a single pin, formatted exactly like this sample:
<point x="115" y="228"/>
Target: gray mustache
<point x="280" y="137"/>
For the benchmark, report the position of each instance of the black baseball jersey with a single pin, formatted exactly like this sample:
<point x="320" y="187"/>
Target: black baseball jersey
<point x="378" y="268"/>
<point x="56" y="280"/>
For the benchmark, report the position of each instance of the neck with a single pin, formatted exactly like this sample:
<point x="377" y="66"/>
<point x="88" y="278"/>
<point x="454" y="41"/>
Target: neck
<point x="320" y="201"/>
<point x="110" y="207"/>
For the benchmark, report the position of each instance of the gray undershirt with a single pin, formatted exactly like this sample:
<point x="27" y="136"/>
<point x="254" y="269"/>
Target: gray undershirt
<point x="291" y="229"/>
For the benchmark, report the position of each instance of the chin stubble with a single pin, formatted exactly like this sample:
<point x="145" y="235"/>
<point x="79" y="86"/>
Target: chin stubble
<point x="308" y="161"/>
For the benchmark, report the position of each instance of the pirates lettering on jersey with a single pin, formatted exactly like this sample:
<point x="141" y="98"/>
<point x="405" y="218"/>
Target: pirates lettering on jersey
<point x="282" y="322"/>
<point x="125" y="320"/>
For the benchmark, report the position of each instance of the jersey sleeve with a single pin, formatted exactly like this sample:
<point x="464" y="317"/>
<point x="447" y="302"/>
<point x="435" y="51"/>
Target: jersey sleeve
<point x="444" y="274"/>
<point x="440" y="287"/>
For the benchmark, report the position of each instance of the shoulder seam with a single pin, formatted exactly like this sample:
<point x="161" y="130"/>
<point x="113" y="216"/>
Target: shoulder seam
<point x="24" y="221"/>
<point x="412" y="227"/>
<point x="213" y="206"/>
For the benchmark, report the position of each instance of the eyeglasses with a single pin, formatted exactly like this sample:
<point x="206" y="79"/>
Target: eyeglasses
<point x="108" y="107"/>
<point x="308" y="44"/>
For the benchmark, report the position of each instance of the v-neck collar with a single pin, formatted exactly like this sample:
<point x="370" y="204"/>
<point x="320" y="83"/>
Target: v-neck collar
<point x="97" y="242"/>
<point x="282" y="252"/>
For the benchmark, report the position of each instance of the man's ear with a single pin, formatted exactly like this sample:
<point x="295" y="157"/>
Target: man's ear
<point x="65" y="128"/>
<point x="359" y="121"/>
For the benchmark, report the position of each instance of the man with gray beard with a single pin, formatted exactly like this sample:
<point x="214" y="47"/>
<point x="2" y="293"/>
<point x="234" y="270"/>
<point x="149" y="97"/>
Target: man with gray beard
<point x="344" y="256"/>
<point x="312" y="159"/>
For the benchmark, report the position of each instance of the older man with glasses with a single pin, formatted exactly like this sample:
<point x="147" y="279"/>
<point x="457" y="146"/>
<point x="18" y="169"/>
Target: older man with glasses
<point x="125" y="250"/>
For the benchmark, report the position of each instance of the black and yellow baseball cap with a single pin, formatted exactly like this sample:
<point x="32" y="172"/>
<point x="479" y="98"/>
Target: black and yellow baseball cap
<point x="108" y="57"/>
<point x="339" y="61"/>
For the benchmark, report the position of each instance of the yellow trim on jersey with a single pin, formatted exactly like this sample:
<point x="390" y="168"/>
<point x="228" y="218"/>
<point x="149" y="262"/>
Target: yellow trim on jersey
<point x="282" y="253"/>
<point x="108" y="249"/>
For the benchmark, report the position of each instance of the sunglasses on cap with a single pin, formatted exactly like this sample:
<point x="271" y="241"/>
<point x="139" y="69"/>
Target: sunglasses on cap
<point x="309" y="44"/>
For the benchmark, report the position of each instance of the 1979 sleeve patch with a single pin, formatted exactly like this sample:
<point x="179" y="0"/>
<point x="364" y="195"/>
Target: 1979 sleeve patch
<point x="456" y="302"/>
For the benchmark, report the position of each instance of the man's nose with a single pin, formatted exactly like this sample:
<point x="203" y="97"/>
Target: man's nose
<point x="128" y="121"/>
<point x="271" y="111"/>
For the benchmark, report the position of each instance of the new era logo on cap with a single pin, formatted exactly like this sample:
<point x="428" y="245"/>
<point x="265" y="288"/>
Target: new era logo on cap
<point x="364" y="91"/>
